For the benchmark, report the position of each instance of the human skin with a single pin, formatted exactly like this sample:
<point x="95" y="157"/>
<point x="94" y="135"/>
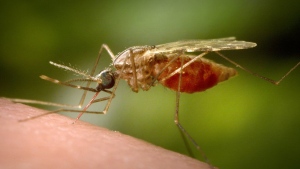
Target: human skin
<point x="52" y="141"/>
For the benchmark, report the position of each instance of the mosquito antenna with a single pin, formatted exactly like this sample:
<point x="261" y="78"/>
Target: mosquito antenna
<point x="83" y="80"/>
<point x="71" y="69"/>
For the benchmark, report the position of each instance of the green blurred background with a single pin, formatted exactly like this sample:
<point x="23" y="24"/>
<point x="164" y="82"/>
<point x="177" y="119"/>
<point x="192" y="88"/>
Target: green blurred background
<point x="243" y="123"/>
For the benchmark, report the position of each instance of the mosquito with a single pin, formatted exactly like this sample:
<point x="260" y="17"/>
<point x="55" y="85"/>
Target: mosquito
<point x="173" y="65"/>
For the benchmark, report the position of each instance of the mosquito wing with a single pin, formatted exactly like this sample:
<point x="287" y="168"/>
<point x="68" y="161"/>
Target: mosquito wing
<point x="203" y="45"/>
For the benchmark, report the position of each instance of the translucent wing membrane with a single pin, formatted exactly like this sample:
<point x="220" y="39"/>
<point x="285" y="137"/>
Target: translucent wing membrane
<point x="204" y="45"/>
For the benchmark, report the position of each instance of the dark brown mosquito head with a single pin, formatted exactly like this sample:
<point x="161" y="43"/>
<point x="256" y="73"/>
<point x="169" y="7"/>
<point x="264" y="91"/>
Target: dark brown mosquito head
<point x="107" y="79"/>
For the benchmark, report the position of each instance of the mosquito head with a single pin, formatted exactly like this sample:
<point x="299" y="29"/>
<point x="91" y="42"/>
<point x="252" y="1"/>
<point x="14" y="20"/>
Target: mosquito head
<point x="107" y="80"/>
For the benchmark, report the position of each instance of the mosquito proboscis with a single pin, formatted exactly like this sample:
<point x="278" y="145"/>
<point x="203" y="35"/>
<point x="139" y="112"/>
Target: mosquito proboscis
<point x="174" y="65"/>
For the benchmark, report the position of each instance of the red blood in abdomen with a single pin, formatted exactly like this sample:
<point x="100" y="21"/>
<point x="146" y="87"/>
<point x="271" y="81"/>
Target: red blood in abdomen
<point x="198" y="76"/>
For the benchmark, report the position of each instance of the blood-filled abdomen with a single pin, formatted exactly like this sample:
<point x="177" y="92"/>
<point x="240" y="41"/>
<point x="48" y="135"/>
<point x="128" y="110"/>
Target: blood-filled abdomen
<point x="200" y="75"/>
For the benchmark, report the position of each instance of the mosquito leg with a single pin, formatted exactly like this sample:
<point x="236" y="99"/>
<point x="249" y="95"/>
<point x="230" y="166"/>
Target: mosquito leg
<point x="26" y="101"/>
<point x="131" y="57"/>
<point x="51" y="103"/>
<point x="94" y="100"/>
<point x="83" y="88"/>
<point x="110" y="97"/>
<point x="89" y="78"/>
<point x="257" y="75"/>
<point x="64" y="105"/>
<point x="37" y="116"/>
<point x="176" y="118"/>
<point x="57" y="111"/>
<point x="104" y="98"/>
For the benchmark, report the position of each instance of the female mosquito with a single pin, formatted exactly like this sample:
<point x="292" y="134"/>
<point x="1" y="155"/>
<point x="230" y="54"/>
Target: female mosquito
<point x="174" y="65"/>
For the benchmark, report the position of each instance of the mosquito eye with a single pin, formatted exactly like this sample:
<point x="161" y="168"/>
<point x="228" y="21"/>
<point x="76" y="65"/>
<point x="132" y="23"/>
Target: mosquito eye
<point x="107" y="78"/>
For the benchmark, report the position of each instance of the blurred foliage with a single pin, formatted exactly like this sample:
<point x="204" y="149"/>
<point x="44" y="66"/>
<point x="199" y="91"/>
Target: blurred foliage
<point x="243" y="123"/>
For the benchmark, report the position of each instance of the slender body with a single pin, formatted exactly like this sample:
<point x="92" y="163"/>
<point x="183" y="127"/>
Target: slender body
<point x="152" y="64"/>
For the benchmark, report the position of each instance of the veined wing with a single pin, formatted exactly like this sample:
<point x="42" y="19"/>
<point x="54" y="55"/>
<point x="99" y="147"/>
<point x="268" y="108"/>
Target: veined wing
<point x="203" y="45"/>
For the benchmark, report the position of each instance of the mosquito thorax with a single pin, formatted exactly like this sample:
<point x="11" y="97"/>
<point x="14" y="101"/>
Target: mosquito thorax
<point x="135" y="50"/>
<point x="107" y="80"/>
